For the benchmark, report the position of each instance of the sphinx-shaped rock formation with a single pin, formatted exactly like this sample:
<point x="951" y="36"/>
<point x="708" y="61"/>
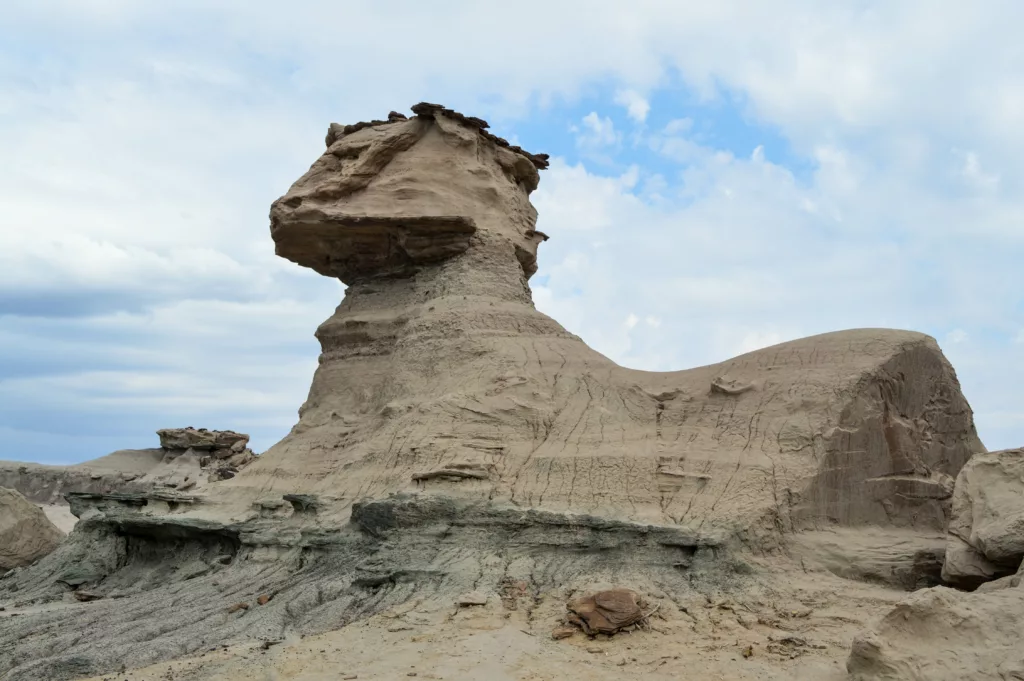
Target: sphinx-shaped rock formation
<point x="438" y="375"/>
<point x="455" y="439"/>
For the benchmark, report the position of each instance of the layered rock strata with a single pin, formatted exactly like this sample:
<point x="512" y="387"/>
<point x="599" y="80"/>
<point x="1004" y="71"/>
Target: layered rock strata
<point x="454" y="437"/>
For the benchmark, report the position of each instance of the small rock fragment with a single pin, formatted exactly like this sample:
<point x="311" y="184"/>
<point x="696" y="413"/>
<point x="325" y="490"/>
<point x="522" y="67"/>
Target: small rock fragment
<point x="263" y="600"/>
<point x="564" y="631"/>
<point x="238" y="606"/>
<point x="86" y="596"/>
<point x="472" y="598"/>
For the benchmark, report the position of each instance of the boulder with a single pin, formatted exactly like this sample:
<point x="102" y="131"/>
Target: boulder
<point x="985" y="537"/>
<point x="941" y="634"/>
<point x="26" y="534"/>
<point x="606" y="612"/>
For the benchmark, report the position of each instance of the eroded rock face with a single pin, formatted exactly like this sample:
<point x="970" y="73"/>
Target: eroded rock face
<point x="26" y="535"/>
<point x="986" y="530"/>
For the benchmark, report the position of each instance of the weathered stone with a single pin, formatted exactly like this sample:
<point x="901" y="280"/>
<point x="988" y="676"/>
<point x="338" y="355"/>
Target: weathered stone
<point x="606" y="612"/>
<point x="199" y="438"/>
<point x="986" y="528"/>
<point x="941" y="634"/>
<point x="472" y="598"/>
<point x="564" y="631"/>
<point x="26" y="534"/>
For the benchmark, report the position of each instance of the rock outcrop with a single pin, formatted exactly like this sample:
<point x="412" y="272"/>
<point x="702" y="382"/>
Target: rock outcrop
<point x="455" y="439"/>
<point x="222" y="443"/>
<point x="187" y="459"/>
<point x="185" y="455"/>
<point x="986" y="529"/>
<point x="941" y="634"/>
<point x="26" y="535"/>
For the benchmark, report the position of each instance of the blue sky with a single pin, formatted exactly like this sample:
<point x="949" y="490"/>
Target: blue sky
<point x="725" y="176"/>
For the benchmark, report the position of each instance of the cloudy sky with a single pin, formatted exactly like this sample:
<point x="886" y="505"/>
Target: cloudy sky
<point x="726" y="175"/>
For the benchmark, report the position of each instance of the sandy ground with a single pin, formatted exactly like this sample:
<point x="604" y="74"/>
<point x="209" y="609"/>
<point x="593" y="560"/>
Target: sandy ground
<point x="805" y="637"/>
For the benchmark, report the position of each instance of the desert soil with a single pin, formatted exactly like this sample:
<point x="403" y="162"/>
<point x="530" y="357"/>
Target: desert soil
<point x="801" y="631"/>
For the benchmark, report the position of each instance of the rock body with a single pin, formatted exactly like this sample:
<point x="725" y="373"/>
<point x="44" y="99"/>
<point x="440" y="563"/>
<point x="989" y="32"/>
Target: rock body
<point x="26" y="535"/>
<point x="986" y="530"/>
<point x="457" y="440"/>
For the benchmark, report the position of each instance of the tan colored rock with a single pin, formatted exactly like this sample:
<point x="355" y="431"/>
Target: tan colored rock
<point x="606" y="612"/>
<point x="563" y="631"/>
<point x="472" y="598"/>
<point x="26" y="534"/>
<point x="986" y="529"/>
<point x="941" y="634"/>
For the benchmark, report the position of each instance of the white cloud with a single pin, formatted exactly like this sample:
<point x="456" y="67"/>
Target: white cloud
<point x="973" y="174"/>
<point x="957" y="336"/>
<point x="637" y="107"/>
<point x="597" y="137"/>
